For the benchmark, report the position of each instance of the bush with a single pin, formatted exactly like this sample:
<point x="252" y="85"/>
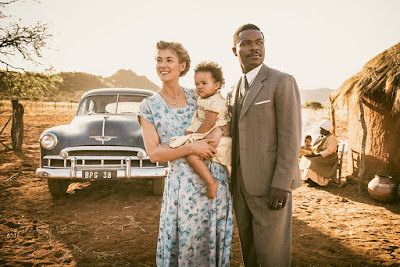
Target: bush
<point x="314" y="105"/>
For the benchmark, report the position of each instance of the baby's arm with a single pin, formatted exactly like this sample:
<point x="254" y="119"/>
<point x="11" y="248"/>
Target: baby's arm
<point x="209" y="121"/>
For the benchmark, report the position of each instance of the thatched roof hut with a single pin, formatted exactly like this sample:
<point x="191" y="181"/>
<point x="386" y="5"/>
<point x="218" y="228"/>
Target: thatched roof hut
<point x="377" y="86"/>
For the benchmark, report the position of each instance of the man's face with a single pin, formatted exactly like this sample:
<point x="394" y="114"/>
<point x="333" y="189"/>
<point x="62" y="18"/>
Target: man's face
<point x="250" y="49"/>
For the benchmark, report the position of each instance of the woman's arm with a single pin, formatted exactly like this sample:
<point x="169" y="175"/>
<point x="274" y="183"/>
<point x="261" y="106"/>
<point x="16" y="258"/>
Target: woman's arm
<point x="159" y="153"/>
<point x="331" y="146"/>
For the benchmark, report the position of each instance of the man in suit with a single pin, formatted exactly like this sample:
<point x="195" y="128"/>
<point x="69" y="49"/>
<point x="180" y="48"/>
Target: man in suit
<point x="266" y="131"/>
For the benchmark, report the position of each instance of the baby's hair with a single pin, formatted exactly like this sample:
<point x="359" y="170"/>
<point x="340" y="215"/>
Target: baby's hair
<point x="308" y="137"/>
<point x="213" y="68"/>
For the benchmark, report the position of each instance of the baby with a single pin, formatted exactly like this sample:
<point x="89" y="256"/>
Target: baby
<point x="307" y="143"/>
<point x="306" y="149"/>
<point x="212" y="112"/>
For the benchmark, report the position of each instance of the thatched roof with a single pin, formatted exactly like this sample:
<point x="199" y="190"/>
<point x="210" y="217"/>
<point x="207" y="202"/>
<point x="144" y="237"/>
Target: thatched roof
<point x="380" y="76"/>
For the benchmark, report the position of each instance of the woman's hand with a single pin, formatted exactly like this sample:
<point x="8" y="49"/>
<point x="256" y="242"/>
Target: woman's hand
<point x="203" y="149"/>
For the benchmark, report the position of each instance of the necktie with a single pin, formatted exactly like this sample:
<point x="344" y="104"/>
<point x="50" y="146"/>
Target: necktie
<point x="244" y="87"/>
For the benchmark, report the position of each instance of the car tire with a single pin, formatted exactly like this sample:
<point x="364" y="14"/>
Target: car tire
<point x="57" y="187"/>
<point x="158" y="186"/>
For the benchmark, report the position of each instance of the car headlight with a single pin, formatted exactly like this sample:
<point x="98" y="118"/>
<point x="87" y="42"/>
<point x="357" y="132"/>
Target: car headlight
<point x="48" y="141"/>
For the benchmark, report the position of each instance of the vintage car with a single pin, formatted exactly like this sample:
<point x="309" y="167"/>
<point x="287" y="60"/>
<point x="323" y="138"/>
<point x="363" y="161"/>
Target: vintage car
<point x="103" y="142"/>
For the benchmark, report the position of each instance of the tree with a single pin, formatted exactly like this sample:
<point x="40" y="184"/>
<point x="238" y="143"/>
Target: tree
<point x="29" y="84"/>
<point x="314" y="105"/>
<point x="17" y="40"/>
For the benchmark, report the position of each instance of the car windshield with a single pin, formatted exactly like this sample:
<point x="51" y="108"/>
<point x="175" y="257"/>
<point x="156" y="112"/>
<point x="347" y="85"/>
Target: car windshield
<point x="113" y="104"/>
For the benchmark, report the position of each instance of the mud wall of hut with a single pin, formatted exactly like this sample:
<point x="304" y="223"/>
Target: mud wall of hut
<point x="382" y="154"/>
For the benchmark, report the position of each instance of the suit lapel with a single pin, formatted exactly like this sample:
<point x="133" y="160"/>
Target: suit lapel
<point x="254" y="89"/>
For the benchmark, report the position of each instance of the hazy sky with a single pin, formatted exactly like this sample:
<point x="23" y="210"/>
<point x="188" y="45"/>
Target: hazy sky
<point x="321" y="43"/>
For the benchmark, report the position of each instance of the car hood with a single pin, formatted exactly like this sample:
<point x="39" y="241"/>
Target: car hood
<point x="115" y="130"/>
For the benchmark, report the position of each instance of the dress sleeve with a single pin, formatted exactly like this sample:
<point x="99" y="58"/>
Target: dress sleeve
<point x="215" y="103"/>
<point x="331" y="146"/>
<point x="145" y="111"/>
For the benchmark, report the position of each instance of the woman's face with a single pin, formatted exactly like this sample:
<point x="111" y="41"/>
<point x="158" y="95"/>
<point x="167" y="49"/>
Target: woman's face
<point x="168" y="66"/>
<point x="323" y="131"/>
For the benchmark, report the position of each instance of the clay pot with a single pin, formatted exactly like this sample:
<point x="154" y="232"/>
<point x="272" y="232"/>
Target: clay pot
<point x="382" y="188"/>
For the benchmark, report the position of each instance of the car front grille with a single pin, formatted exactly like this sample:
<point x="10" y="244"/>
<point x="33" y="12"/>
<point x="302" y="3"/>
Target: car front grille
<point x="92" y="156"/>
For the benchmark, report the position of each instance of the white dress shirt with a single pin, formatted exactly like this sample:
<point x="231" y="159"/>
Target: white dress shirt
<point x="251" y="75"/>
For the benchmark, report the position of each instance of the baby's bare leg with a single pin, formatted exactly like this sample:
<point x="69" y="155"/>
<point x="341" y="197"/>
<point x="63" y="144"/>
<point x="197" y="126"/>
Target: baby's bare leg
<point x="201" y="169"/>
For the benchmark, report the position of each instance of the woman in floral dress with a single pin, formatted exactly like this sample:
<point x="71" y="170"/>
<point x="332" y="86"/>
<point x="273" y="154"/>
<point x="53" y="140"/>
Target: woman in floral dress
<point x="194" y="230"/>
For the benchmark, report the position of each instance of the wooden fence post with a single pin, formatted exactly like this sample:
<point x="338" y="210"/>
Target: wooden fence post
<point x="17" y="128"/>
<point x="363" y="145"/>
<point x="332" y="115"/>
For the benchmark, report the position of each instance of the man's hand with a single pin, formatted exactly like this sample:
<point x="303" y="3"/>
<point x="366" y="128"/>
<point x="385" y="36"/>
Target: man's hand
<point x="277" y="198"/>
<point x="214" y="136"/>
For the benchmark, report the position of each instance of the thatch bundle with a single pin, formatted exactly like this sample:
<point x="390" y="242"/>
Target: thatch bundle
<point x="374" y="93"/>
<point x="379" y="80"/>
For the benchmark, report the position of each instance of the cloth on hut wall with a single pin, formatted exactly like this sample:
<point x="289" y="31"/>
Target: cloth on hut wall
<point x="321" y="169"/>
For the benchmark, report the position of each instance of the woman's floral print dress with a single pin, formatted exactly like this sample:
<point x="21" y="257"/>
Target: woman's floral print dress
<point x="194" y="230"/>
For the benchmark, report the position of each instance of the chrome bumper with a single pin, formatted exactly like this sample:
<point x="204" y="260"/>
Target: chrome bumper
<point x="72" y="167"/>
<point x="124" y="170"/>
<point x="68" y="173"/>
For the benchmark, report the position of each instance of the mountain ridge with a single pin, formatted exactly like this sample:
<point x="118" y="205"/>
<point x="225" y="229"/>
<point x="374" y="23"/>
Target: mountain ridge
<point x="315" y="95"/>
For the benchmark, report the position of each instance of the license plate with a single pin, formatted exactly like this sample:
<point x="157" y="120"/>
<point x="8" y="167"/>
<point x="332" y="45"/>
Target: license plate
<point x="99" y="174"/>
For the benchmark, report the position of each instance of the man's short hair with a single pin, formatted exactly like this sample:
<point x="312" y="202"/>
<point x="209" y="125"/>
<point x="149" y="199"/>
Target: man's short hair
<point x="245" y="27"/>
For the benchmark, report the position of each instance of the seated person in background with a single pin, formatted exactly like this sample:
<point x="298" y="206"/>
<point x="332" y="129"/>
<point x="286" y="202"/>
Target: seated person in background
<point x="321" y="164"/>
<point x="306" y="148"/>
<point x="307" y="143"/>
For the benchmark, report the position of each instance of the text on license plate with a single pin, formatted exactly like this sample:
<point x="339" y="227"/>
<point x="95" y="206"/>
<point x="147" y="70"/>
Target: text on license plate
<point x="99" y="174"/>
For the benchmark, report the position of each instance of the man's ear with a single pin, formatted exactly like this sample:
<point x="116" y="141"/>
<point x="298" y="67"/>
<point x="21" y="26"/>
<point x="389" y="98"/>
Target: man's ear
<point x="234" y="51"/>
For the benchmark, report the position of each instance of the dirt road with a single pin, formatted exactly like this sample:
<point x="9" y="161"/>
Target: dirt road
<point x="116" y="224"/>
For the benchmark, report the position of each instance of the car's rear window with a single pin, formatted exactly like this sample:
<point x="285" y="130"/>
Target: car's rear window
<point x="111" y="104"/>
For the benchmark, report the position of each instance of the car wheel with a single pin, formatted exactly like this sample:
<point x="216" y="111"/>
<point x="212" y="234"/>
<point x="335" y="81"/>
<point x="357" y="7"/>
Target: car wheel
<point x="57" y="187"/>
<point x="158" y="186"/>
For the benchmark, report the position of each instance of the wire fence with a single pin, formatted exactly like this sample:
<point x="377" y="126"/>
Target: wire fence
<point x="5" y="105"/>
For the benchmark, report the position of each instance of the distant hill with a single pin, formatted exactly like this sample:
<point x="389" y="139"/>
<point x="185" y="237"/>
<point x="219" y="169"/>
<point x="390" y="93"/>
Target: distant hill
<point x="65" y="85"/>
<point x="127" y="78"/>
<point x="80" y="81"/>
<point x="319" y="95"/>
<point x="71" y="85"/>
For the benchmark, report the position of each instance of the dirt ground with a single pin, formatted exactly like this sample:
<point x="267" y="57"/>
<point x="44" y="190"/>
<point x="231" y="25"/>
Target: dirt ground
<point x="116" y="223"/>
